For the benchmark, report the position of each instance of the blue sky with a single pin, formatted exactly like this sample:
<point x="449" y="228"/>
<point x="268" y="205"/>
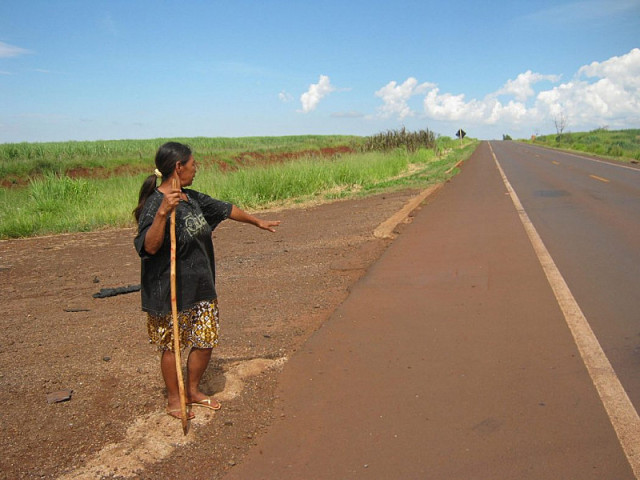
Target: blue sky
<point x="90" y="70"/>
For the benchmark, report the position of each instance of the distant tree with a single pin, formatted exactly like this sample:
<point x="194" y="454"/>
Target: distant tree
<point x="506" y="136"/>
<point x="560" y="122"/>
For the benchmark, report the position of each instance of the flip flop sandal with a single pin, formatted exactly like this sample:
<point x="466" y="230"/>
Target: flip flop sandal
<point x="206" y="403"/>
<point x="178" y="414"/>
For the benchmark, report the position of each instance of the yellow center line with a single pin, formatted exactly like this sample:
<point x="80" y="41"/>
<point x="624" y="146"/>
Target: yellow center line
<point x="555" y="163"/>
<point x="595" y="177"/>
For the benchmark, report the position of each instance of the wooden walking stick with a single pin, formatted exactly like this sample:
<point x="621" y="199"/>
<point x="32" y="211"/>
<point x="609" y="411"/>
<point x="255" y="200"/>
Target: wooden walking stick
<point x="174" y="313"/>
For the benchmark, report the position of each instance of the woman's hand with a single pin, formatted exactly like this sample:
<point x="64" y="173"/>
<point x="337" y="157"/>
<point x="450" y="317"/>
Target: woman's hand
<point x="240" y="215"/>
<point x="170" y="201"/>
<point x="155" y="235"/>
<point x="268" y="224"/>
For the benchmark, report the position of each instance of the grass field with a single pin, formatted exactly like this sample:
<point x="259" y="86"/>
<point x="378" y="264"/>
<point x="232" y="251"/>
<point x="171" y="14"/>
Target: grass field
<point x="21" y="160"/>
<point x="48" y="200"/>
<point x="619" y="144"/>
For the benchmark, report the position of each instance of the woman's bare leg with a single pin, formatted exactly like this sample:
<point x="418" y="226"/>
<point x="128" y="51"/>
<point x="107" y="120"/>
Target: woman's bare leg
<point x="170" y="376"/>
<point x="196" y="365"/>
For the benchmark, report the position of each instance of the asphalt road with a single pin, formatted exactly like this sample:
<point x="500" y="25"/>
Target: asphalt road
<point x="587" y="213"/>
<point x="450" y="359"/>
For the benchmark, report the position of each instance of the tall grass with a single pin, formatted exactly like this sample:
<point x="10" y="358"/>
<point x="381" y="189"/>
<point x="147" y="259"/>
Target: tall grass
<point x="57" y="203"/>
<point x="392" y="139"/>
<point x="19" y="161"/>
<point x="263" y="186"/>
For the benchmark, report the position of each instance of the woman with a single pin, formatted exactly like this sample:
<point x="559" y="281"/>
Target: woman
<point x="197" y="215"/>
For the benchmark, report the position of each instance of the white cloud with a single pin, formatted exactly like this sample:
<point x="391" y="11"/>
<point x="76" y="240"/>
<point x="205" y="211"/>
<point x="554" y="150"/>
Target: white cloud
<point x="600" y="93"/>
<point x="316" y="92"/>
<point x="8" y="51"/>
<point x="489" y="111"/>
<point x="452" y="107"/>
<point x="285" y="97"/>
<point x="521" y="87"/>
<point x="624" y="70"/>
<point x="395" y="97"/>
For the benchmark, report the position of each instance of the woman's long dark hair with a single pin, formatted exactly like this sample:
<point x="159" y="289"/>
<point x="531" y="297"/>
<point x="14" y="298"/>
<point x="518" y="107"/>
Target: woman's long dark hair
<point x="167" y="156"/>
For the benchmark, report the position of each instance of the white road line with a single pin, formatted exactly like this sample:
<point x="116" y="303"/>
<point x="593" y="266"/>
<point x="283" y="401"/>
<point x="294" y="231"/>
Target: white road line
<point x="622" y="414"/>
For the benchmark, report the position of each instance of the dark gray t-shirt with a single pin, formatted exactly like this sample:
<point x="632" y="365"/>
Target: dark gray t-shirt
<point x="195" y="264"/>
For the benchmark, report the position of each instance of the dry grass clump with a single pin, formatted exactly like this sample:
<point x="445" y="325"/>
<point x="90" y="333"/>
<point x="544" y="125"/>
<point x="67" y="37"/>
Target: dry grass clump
<point x="392" y="139"/>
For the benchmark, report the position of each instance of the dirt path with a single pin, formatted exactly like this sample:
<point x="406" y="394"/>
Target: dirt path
<point x="275" y="290"/>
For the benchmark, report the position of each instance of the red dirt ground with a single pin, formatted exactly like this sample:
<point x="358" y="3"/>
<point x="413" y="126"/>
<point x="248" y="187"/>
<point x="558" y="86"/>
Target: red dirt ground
<point x="275" y="290"/>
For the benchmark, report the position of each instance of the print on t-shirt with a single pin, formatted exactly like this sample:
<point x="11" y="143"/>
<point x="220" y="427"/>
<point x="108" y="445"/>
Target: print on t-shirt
<point x="195" y="224"/>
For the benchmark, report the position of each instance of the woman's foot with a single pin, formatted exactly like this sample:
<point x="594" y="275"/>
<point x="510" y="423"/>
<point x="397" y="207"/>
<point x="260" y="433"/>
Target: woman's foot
<point x="206" y="402"/>
<point x="178" y="414"/>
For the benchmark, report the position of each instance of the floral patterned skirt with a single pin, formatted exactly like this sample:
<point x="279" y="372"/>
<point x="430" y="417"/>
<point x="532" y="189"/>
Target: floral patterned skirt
<point x="199" y="327"/>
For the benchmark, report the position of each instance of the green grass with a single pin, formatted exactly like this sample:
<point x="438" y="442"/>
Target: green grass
<point x="265" y="186"/>
<point x="54" y="203"/>
<point x="21" y="161"/>
<point x="619" y="144"/>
